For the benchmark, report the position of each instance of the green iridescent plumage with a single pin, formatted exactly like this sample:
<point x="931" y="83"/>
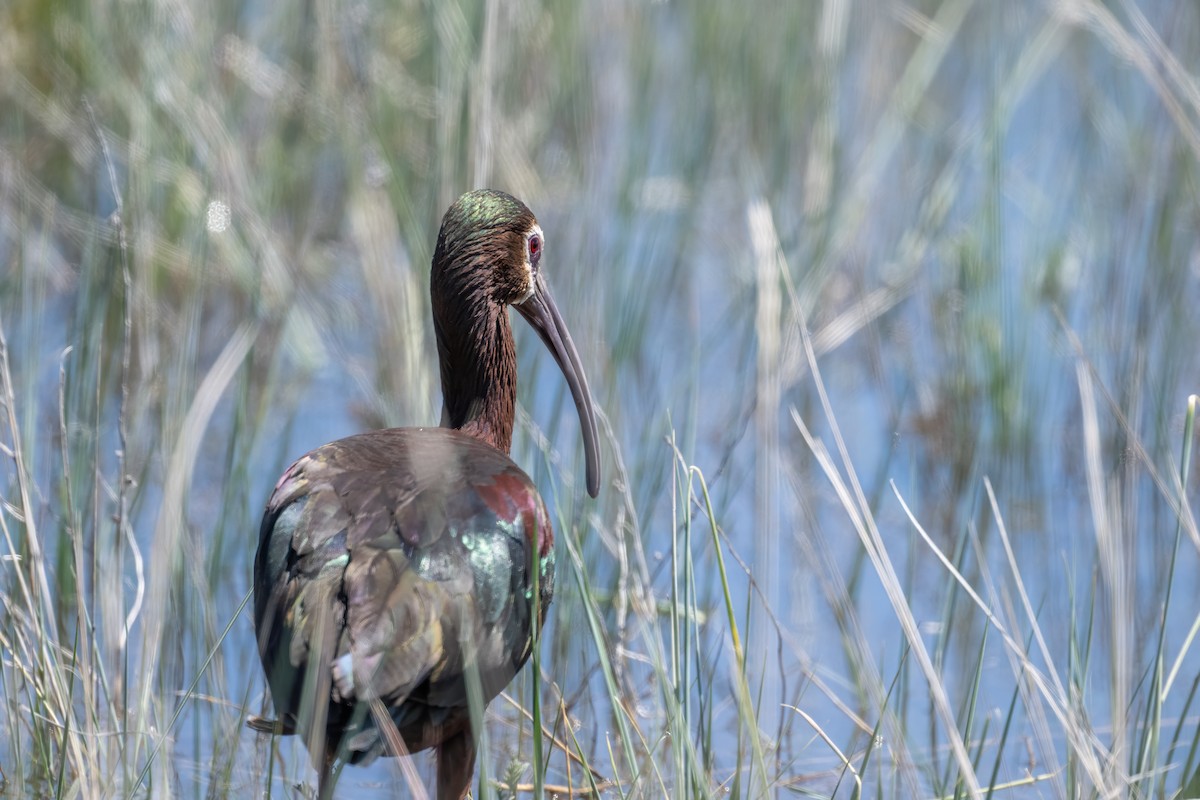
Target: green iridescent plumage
<point x="374" y="550"/>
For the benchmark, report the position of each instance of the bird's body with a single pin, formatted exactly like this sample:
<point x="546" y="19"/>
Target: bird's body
<point x="360" y="546"/>
<point x="396" y="569"/>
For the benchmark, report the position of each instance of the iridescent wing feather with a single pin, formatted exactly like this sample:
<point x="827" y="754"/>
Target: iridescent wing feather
<point x="397" y="565"/>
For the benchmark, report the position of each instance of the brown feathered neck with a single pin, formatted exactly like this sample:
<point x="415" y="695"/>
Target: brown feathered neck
<point x="479" y="373"/>
<point x="477" y="268"/>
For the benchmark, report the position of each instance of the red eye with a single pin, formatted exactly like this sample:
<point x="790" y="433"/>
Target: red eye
<point x="535" y="247"/>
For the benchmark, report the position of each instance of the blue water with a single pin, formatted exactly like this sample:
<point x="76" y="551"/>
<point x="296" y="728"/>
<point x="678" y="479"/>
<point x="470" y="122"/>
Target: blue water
<point x="1030" y="219"/>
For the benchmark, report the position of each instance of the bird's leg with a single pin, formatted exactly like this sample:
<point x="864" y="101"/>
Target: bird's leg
<point x="455" y="766"/>
<point x="327" y="777"/>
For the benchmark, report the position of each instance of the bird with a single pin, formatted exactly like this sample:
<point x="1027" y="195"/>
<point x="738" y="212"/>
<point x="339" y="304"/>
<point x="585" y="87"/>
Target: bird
<point x="395" y="573"/>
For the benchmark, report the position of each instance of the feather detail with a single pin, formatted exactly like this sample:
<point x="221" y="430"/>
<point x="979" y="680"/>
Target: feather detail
<point x="394" y="563"/>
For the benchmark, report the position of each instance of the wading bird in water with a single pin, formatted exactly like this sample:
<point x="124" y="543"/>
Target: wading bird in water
<point x="395" y="575"/>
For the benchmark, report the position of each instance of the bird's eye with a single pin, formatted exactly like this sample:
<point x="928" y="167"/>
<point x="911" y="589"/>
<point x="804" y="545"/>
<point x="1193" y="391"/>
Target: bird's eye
<point x="535" y="247"/>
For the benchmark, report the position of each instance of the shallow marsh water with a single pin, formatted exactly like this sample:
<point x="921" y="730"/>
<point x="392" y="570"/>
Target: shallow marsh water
<point x="981" y="218"/>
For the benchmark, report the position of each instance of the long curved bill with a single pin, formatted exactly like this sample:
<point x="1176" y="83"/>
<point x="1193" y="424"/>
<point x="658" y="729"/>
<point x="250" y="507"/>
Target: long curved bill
<point x="542" y="314"/>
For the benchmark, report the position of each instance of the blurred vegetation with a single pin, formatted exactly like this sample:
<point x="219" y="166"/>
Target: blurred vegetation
<point x="890" y="309"/>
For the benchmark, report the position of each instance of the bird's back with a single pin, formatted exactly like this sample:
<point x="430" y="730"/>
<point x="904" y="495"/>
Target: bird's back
<point x="397" y="565"/>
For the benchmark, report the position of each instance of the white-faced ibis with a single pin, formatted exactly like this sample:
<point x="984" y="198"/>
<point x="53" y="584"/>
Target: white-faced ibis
<point x="395" y="569"/>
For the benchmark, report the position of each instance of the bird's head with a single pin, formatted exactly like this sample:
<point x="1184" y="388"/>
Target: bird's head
<point x="489" y="255"/>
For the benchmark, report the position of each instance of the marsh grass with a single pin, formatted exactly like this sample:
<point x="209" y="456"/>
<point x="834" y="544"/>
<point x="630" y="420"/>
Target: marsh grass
<point x="889" y="314"/>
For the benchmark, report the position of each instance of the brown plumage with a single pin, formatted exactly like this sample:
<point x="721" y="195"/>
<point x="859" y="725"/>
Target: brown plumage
<point x="395" y="568"/>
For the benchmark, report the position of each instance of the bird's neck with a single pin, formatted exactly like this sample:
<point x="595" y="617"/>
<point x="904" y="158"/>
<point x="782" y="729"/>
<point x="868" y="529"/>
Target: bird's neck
<point x="479" y="375"/>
